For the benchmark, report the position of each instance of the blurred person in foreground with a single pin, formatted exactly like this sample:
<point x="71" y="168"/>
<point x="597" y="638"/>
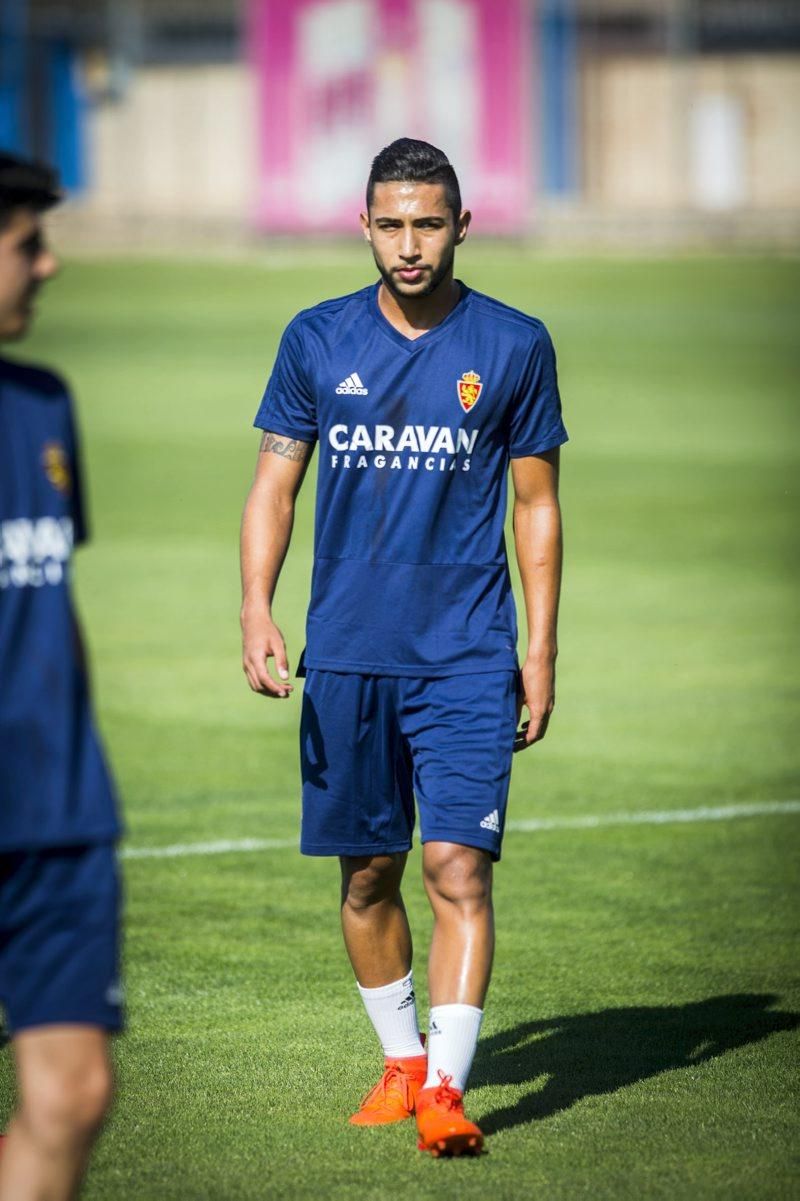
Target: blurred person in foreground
<point x="59" y="894"/>
<point x="419" y="391"/>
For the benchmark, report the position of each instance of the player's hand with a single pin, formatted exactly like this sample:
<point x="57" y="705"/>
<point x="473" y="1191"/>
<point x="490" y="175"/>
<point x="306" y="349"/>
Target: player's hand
<point x="261" y="641"/>
<point x="538" y="696"/>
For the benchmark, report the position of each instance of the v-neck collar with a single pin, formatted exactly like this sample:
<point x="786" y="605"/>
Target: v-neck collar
<point x="412" y="344"/>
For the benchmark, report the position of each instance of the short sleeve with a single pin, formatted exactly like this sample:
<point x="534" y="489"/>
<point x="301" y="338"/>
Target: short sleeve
<point x="536" y="423"/>
<point x="288" y="406"/>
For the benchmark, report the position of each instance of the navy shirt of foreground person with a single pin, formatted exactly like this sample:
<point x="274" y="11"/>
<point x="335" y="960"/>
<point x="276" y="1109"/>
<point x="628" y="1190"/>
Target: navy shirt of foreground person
<point x="55" y="789"/>
<point x="410" y="570"/>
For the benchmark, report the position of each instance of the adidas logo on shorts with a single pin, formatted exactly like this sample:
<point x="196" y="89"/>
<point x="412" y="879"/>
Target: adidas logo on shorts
<point x="114" y="994"/>
<point x="352" y="386"/>
<point x="491" y="822"/>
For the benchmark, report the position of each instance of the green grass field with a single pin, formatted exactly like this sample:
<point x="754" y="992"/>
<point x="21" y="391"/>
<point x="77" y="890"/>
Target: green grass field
<point x="641" y="1030"/>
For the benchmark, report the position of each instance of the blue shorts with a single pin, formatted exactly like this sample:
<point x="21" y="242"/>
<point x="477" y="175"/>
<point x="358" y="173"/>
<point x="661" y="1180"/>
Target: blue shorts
<point x="59" y="945"/>
<point x="369" y="744"/>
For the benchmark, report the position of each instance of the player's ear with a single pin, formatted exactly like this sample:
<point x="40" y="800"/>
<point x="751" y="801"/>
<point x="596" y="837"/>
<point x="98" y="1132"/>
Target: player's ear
<point x="462" y="225"/>
<point x="364" y="219"/>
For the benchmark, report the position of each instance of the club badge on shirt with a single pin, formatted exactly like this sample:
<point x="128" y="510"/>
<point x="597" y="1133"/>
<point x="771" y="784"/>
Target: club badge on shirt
<point x="56" y="467"/>
<point x="469" y="388"/>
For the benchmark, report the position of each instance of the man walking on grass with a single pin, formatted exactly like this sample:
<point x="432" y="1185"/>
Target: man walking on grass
<point x="58" y="825"/>
<point x="419" y="391"/>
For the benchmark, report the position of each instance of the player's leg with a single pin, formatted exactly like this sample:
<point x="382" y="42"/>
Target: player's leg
<point x="65" y="1086"/>
<point x="374" y="922"/>
<point x="461" y="730"/>
<point x="357" y="803"/>
<point x="378" y="941"/>
<point x="458" y="881"/>
<point x="59" y="924"/>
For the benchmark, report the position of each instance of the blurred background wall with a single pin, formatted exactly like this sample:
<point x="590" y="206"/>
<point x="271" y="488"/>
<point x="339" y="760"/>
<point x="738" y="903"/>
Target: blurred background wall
<point x="606" y="120"/>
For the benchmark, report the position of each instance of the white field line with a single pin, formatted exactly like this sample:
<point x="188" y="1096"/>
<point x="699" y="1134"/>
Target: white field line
<point x="663" y="817"/>
<point x="657" y="817"/>
<point x="178" y="850"/>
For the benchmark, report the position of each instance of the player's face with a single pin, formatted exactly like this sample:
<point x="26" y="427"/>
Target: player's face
<point x="413" y="234"/>
<point x="25" y="264"/>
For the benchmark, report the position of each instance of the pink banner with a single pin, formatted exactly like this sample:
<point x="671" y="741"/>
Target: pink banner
<point x="340" y="79"/>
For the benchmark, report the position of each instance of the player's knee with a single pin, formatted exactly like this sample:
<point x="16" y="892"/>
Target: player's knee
<point x="367" y="882"/>
<point x="459" y="875"/>
<point x="64" y="1108"/>
<point x="94" y="1097"/>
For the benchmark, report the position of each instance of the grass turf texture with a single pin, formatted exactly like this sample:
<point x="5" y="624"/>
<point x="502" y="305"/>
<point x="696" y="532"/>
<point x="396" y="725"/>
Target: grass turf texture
<point x="642" y="1024"/>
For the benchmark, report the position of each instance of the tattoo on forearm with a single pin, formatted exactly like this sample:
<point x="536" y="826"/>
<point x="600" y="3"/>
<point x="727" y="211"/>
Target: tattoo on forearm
<point x="288" y="448"/>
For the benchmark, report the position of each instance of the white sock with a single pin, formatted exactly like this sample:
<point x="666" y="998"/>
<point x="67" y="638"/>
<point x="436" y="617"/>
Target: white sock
<point x="452" y="1039"/>
<point x="392" y="1009"/>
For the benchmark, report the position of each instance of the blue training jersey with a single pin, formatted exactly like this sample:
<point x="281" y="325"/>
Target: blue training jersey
<point x="55" y="789"/>
<point x="410" y="569"/>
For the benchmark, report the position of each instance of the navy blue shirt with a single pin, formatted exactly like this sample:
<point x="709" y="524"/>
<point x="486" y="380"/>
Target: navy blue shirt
<point x="410" y="569"/>
<point x="55" y="789"/>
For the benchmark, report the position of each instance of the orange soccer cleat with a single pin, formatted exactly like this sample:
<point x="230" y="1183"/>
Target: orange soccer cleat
<point x="394" y="1096"/>
<point x="443" y="1127"/>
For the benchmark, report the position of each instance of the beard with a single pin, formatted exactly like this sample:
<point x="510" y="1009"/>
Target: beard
<point x="14" y="323"/>
<point x="398" y="289"/>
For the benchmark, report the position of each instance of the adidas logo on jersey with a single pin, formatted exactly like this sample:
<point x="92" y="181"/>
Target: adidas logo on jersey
<point x="352" y="386"/>
<point x="491" y="822"/>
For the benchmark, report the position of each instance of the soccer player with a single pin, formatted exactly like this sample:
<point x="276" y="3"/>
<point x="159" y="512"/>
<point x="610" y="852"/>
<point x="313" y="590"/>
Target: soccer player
<point x="419" y="391"/>
<point x="58" y="825"/>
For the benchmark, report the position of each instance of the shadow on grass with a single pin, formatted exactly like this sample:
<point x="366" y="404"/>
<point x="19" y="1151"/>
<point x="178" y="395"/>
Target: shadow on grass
<point x="588" y="1054"/>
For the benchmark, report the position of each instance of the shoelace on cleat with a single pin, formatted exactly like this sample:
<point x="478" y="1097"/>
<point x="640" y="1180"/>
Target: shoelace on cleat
<point x="445" y="1095"/>
<point x="391" y="1077"/>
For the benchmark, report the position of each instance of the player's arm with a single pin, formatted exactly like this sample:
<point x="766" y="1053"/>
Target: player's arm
<point x="266" y="531"/>
<point x="538" y="541"/>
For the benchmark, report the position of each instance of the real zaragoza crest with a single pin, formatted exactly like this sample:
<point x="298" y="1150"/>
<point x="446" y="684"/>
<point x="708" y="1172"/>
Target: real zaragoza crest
<point x="56" y="466"/>
<point x="469" y="389"/>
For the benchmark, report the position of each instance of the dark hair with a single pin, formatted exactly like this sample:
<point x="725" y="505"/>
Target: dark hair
<point x="410" y="161"/>
<point x="26" y="184"/>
